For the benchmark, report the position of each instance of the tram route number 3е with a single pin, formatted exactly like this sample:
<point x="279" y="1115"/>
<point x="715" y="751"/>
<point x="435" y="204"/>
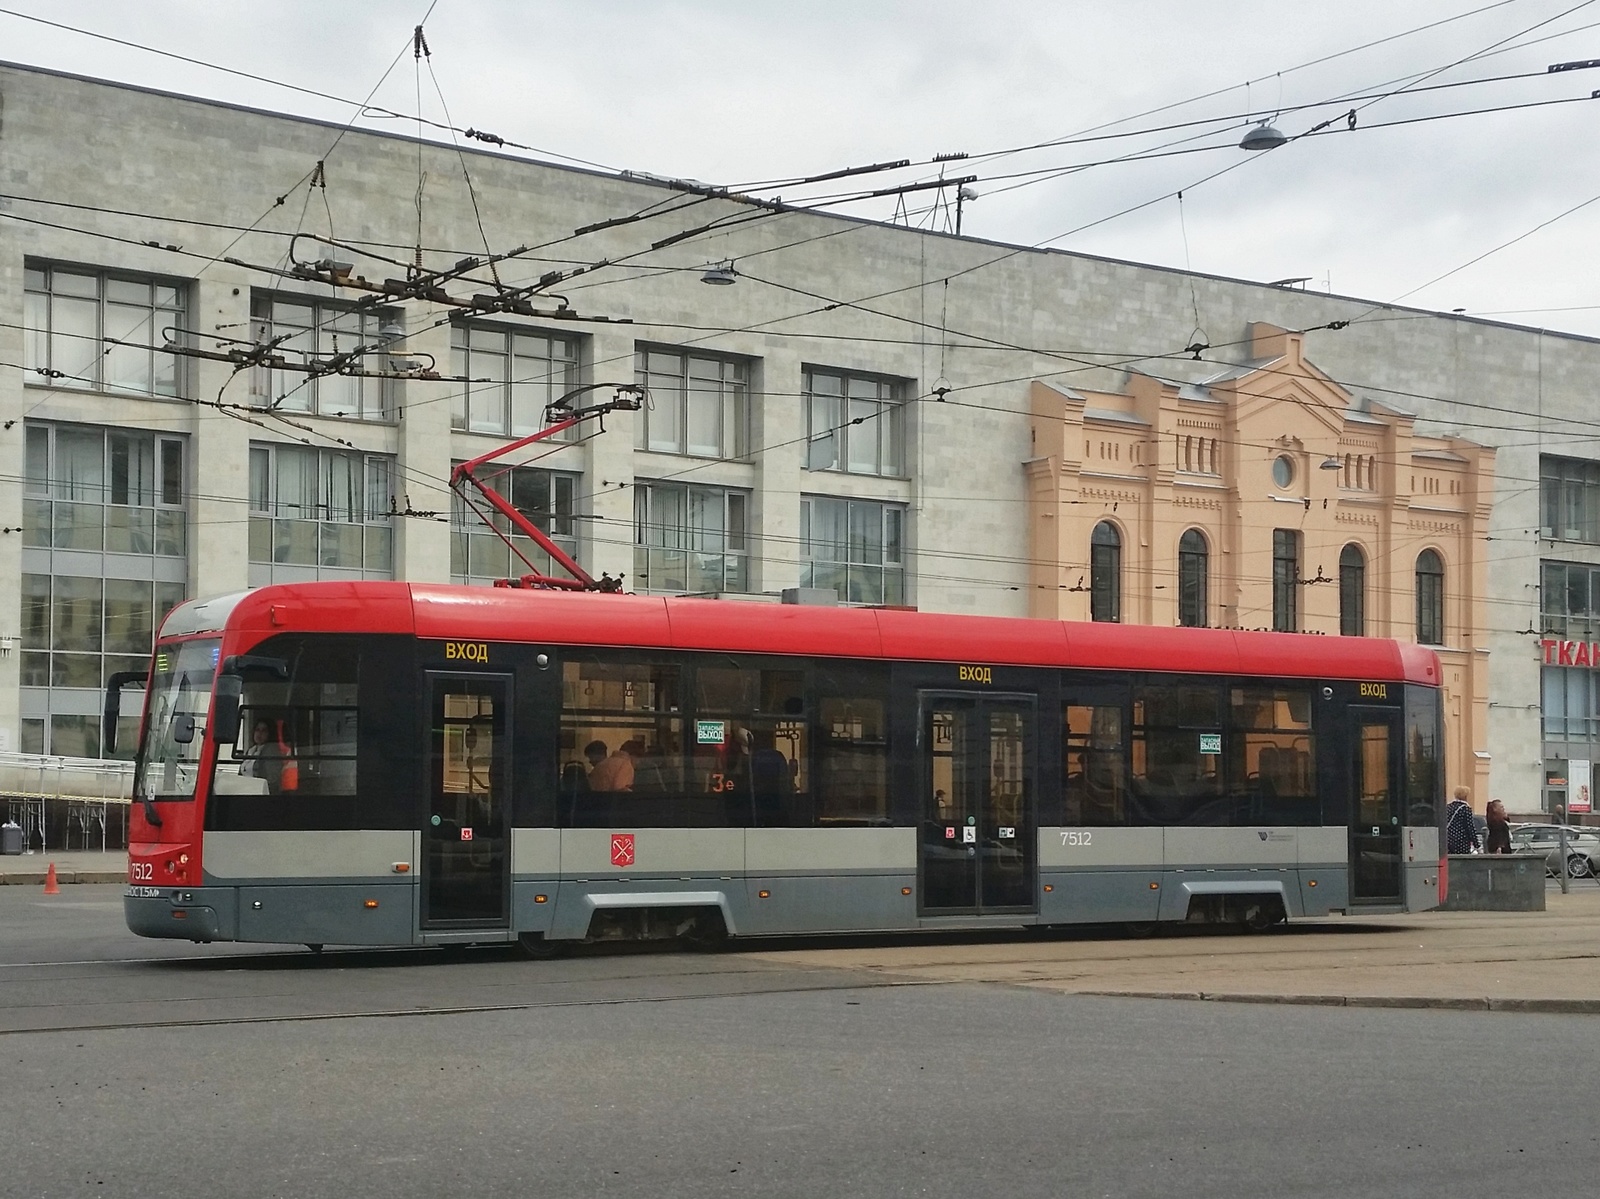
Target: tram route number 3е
<point x="1077" y="836"/>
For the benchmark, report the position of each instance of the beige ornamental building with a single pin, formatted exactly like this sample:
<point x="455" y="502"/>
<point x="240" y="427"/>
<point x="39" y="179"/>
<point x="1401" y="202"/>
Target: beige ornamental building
<point x="1267" y="498"/>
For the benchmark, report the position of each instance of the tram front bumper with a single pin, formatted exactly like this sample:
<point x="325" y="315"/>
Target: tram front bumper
<point x="180" y="913"/>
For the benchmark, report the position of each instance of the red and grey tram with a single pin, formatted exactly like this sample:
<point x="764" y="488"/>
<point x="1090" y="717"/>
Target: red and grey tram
<point x="410" y="764"/>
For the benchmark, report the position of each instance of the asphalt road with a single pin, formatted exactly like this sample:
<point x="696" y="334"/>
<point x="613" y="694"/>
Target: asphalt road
<point x="132" y="1067"/>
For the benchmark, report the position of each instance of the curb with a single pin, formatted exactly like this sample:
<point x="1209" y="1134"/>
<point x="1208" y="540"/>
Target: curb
<point x="36" y="878"/>
<point x="1586" y="1007"/>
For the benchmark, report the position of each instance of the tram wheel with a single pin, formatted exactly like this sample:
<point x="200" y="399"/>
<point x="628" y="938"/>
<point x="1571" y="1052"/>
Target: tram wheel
<point x="705" y="933"/>
<point x="538" y="947"/>
<point x="1260" y="917"/>
<point x="1142" y="928"/>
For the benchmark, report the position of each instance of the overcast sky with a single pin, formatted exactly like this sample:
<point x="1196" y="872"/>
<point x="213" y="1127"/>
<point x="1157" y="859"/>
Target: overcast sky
<point x="735" y="93"/>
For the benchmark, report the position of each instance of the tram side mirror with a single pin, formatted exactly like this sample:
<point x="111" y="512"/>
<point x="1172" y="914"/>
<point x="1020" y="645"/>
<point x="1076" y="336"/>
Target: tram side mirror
<point x="225" y="709"/>
<point x="182" y="728"/>
<point x="113" y="706"/>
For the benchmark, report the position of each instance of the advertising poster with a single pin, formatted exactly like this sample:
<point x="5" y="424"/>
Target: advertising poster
<point x="1578" y="785"/>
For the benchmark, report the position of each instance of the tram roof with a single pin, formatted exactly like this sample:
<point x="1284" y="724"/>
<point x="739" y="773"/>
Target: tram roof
<point x="453" y="613"/>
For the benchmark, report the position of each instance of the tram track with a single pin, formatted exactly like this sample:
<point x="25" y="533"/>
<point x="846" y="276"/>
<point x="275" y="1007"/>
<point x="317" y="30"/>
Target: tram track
<point x="866" y="983"/>
<point x="229" y="986"/>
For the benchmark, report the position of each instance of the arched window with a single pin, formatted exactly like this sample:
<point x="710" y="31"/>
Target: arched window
<point x="1352" y="591"/>
<point x="1192" y="569"/>
<point x="1430" y="598"/>
<point x="1105" y="573"/>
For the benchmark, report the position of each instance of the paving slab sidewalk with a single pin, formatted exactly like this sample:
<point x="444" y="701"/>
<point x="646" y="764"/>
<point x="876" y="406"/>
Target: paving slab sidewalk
<point x="72" y="866"/>
<point x="1496" y="961"/>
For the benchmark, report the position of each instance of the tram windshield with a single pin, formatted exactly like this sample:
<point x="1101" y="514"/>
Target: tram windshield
<point x="175" y="720"/>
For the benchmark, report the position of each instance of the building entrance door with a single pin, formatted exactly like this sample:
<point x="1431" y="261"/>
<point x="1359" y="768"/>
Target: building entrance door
<point x="978" y="852"/>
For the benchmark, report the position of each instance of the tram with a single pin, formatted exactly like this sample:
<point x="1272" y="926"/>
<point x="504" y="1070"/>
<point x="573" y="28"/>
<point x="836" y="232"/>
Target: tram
<point x="375" y="763"/>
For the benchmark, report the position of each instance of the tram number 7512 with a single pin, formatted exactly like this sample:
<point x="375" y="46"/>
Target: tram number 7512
<point x="139" y="872"/>
<point x="1077" y="836"/>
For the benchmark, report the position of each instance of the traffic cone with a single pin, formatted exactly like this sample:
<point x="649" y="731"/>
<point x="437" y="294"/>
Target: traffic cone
<point x="51" y="887"/>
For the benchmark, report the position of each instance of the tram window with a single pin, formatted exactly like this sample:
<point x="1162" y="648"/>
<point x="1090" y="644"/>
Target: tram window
<point x="749" y="745"/>
<point x="1176" y="775"/>
<point x="1095" y="769"/>
<point x="294" y="765"/>
<point x="622" y="745"/>
<point x="1177" y="705"/>
<point x="1272" y="757"/>
<point x="852" y="761"/>
<point x="1423" y="784"/>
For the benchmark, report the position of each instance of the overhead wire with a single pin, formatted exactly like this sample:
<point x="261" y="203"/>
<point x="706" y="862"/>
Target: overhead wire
<point x="365" y="107"/>
<point x="967" y="580"/>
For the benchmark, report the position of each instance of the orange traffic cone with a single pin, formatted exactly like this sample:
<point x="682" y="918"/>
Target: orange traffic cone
<point x="51" y="887"/>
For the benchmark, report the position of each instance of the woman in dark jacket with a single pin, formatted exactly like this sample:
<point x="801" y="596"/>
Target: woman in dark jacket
<point x="1499" y="839"/>
<point x="1461" y="835"/>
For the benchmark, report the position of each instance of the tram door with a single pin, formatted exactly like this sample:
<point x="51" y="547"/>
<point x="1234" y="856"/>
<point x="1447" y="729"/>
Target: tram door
<point x="1376" y="747"/>
<point x="978" y="848"/>
<point x="466" y="834"/>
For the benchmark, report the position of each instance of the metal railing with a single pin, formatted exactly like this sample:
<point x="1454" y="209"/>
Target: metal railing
<point x="80" y="798"/>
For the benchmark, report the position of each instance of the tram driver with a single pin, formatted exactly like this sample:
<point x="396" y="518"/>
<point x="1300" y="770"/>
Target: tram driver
<point x="268" y="757"/>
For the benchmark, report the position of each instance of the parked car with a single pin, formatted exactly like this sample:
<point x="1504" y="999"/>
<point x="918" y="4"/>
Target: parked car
<point x="1583" y="847"/>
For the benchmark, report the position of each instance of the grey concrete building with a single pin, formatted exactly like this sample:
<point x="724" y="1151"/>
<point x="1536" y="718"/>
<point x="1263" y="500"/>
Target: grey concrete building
<point x="853" y="412"/>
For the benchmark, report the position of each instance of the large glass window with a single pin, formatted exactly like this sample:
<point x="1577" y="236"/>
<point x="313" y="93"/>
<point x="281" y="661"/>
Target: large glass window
<point x="1193" y="567"/>
<point x="1570" y="703"/>
<point x="1569" y="499"/>
<point x="855" y="547"/>
<point x="1424" y="771"/>
<point x="1569" y="599"/>
<point x="175" y="726"/>
<point x="1096" y="773"/>
<point x="104" y="490"/>
<point x="852" y="746"/>
<point x="722" y="742"/>
<point x="855" y="422"/>
<point x="1176" y="755"/>
<point x="696" y="403"/>
<point x="1430" y="598"/>
<point x="1105" y="573"/>
<point x="1184" y="760"/>
<point x="690" y="539"/>
<point x="78" y="631"/>
<point x="1352" y="591"/>
<point x="639" y="747"/>
<point x="317" y="331"/>
<point x="1286" y="580"/>
<point x="294" y="765"/>
<point x="1272" y="755"/>
<point x="524" y="372"/>
<point x="315" y="510"/>
<point x="101" y="331"/>
<point x="478" y="554"/>
<point x="104" y="559"/>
